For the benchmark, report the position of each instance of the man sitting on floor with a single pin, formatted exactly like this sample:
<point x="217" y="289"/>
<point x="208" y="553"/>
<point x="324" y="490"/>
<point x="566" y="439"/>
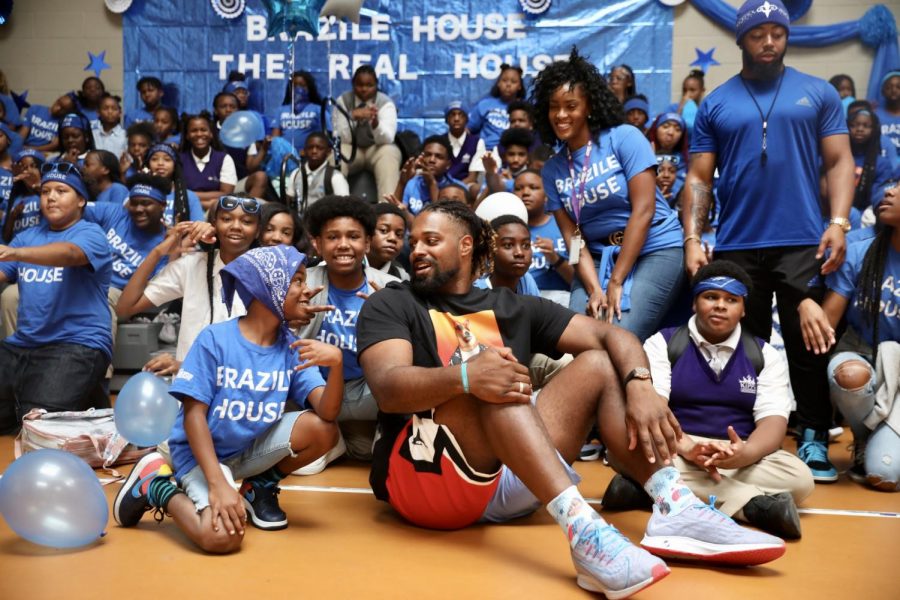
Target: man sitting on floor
<point x="461" y="440"/>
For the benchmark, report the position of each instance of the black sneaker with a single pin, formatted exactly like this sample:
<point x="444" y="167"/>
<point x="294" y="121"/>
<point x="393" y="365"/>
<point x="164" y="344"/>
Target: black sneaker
<point x="857" y="471"/>
<point x="775" y="514"/>
<point x="261" y="501"/>
<point x="624" y="493"/>
<point x="132" y="502"/>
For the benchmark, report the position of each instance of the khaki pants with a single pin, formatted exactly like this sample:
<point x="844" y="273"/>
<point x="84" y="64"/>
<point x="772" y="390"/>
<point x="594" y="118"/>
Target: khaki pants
<point x="382" y="161"/>
<point x="778" y="472"/>
<point x="542" y="368"/>
<point x="9" y="308"/>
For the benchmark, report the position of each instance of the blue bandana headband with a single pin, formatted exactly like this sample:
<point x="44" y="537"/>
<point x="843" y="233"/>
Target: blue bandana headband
<point x="142" y="190"/>
<point x="31" y="153"/>
<point x="637" y="103"/>
<point x="73" y="120"/>
<point x="69" y="176"/>
<point x="754" y="13"/>
<point x="670" y="116"/>
<point x="887" y="77"/>
<point x="165" y="149"/>
<point x="725" y="284"/>
<point x="262" y="274"/>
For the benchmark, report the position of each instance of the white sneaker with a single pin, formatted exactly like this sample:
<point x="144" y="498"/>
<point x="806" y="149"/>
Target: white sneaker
<point x="318" y="465"/>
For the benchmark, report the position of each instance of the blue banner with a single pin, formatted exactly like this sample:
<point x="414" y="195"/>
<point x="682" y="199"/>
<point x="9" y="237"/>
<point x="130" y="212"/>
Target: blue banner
<point x="426" y="53"/>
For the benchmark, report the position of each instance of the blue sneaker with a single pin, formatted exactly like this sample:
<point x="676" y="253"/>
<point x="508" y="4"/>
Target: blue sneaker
<point x="701" y="532"/>
<point x="261" y="502"/>
<point x="607" y="562"/>
<point x="812" y="448"/>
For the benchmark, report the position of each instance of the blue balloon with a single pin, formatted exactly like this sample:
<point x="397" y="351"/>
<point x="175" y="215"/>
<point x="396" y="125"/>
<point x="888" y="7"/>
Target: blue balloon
<point x="53" y="498"/>
<point x="241" y="129"/>
<point x="144" y="411"/>
<point x="293" y="16"/>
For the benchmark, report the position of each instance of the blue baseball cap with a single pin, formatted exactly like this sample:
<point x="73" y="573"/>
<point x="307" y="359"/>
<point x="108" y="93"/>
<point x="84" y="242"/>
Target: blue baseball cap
<point x="455" y="105"/>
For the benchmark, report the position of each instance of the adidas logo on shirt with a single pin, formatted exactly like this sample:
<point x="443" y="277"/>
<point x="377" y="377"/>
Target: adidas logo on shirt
<point x="804" y="101"/>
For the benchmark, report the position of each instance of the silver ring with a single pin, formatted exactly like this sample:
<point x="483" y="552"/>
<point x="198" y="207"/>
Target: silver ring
<point x="521" y="388"/>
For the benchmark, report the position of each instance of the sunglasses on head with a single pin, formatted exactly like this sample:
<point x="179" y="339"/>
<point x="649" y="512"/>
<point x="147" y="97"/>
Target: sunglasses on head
<point x="249" y="205"/>
<point x="60" y="167"/>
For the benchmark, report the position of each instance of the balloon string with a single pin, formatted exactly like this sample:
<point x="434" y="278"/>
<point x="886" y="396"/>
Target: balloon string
<point x="293" y="99"/>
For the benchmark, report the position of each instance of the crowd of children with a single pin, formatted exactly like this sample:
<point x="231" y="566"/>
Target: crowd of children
<point x="274" y="267"/>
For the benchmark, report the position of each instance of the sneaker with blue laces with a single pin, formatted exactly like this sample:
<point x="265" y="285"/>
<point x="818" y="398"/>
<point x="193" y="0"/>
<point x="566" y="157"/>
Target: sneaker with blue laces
<point x="700" y="532"/>
<point x="261" y="502"/>
<point x="812" y="448"/>
<point x="132" y="501"/>
<point x="607" y="562"/>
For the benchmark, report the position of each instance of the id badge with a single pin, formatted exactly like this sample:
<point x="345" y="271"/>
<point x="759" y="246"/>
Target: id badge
<point x="575" y="249"/>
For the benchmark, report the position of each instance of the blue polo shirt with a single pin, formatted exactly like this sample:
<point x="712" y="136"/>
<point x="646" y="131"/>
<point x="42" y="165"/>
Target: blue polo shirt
<point x="617" y="155"/>
<point x="777" y="204"/>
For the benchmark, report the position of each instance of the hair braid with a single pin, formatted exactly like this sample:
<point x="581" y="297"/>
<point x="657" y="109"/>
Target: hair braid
<point x="484" y="245"/>
<point x="871" y="275"/>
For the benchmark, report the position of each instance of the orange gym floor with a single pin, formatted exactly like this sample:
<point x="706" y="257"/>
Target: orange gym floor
<point x="342" y="543"/>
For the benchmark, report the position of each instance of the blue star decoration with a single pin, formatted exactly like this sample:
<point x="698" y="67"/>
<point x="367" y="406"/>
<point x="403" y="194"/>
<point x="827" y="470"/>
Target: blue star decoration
<point x="21" y="100"/>
<point x="705" y="60"/>
<point x="293" y="16"/>
<point x="97" y="64"/>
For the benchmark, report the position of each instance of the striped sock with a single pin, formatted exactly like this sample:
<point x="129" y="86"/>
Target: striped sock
<point x="161" y="492"/>
<point x="270" y="476"/>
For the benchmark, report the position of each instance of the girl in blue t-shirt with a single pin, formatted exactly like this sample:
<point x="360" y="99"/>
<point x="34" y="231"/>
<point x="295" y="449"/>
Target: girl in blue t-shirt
<point x="75" y="138"/>
<point x="140" y="135"/>
<point x="181" y="203"/>
<point x="865" y="289"/>
<point x="58" y="355"/>
<point x="668" y="136"/>
<point x="233" y="386"/>
<point x="490" y="117"/>
<point x="601" y="187"/>
<point x="301" y="110"/>
<point x="101" y="174"/>
<point x="40" y="129"/>
<point x="166" y="126"/>
<point x="873" y="170"/>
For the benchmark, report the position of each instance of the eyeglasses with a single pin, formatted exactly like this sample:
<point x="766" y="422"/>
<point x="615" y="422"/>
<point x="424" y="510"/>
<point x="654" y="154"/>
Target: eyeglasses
<point x="60" y="167"/>
<point x="249" y="205"/>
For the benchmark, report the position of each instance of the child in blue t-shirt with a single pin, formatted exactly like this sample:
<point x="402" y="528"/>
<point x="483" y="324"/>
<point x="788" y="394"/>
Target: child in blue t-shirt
<point x="40" y="129"/>
<point x="668" y="136"/>
<point x="341" y="228"/>
<point x="301" y="110"/>
<point x="873" y="170"/>
<point x="23" y="208"/>
<point x="140" y="136"/>
<point x="59" y="353"/>
<point x="234" y="385"/>
<point x="181" y="203"/>
<point x="550" y="267"/>
<point x="425" y="175"/>
<point x="889" y="112"/>
<point x="75" y="138"/>
<point x="167" y="126"/>
<point x="512" y="258"/>
<point x="489" y="118"/>
<point x="151" y="90"/>
<point x="516" y="144"/>
<point x="865" y="290"/>
<point x="101" y="175"/>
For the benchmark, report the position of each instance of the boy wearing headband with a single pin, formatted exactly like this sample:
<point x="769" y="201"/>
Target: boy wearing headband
<point x="733" y="419"/>
<point x="233" y="424"/>
<point x="58" y="355"/>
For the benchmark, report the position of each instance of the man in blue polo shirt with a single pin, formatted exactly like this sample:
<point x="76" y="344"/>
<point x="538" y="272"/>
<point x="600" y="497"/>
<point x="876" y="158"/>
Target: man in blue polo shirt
<point x="768" y="130"/>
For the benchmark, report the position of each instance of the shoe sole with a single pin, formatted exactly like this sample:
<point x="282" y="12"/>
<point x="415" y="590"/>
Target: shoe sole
<point x="825" y="478"/>
<point x="259" y="523"/>
<point x="590" y="583"/>
<point x="691" y="549"/>
<point x="129" y="481"/>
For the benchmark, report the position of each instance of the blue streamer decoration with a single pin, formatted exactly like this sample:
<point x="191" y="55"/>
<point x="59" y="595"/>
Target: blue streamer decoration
<point x="876" y="28"/>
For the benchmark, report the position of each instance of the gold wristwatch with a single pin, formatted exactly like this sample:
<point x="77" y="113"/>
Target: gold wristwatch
<point x="841" y="222"/>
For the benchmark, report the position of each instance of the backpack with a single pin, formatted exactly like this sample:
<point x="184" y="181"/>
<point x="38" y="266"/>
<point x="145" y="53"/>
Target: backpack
<point x="681" y="337"/>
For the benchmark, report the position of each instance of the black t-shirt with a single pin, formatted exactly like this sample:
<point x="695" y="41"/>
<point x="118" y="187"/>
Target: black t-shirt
<point x="450" y="329"/>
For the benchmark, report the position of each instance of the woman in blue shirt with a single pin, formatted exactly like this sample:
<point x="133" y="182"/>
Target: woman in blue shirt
<point x="58" y="355"/>
<point x="602" y="190"/>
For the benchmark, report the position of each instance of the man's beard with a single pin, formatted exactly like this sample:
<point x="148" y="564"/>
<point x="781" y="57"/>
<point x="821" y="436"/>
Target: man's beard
<point x="429" y="285"/>
<point x="763" y="71"/>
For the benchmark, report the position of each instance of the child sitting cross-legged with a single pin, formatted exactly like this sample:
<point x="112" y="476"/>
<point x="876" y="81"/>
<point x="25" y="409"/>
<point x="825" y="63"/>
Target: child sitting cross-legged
<point x="232" y="423"/>
<point x="730" y="394"/>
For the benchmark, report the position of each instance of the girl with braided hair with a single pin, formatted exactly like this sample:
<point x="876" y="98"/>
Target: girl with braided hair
<point x="873" y="168"/>
<point x="181" y="203"/>
<point x="867" y="357"/>
<point x="623" y="236"/>
<point x="233" y="227"/>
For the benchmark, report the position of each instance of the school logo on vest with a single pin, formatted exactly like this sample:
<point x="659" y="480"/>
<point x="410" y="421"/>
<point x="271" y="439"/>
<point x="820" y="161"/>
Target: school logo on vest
<point x="748" y="384"/>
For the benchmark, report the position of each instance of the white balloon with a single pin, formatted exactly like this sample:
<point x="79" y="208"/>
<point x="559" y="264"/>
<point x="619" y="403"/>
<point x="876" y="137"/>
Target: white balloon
<point x="349" y="9"/>
<point x="502" y="203"/>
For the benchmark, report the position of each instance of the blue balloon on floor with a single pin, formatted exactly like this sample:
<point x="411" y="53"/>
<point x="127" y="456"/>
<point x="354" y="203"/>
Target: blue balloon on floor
<point x="241" y="129"/>
<point x="53" y="498"/>
<point x="144" y="410"/>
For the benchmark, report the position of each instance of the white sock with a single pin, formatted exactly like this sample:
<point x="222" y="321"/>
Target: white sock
<point x="669" y="492"/>
<point x="569" y="509"/>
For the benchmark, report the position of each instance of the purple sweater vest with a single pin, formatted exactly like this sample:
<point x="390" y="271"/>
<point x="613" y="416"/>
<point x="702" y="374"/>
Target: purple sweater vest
<point x="459" y="165"/>
<point x="206" y="180"/>
<point x="706" y="405"/>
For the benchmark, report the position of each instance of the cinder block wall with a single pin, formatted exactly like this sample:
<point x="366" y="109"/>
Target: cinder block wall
<point x="44" y="47"/>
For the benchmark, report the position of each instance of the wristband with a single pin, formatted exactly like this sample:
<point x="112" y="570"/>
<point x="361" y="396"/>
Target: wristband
<point x="465" y="377"/>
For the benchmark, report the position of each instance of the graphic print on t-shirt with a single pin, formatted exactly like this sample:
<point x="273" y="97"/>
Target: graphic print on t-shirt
<point x="461" y="337"/>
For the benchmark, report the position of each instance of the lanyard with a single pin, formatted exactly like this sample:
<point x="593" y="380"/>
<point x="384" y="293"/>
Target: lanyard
<point x="579" y="200"/>
<point x="765" y="118"/>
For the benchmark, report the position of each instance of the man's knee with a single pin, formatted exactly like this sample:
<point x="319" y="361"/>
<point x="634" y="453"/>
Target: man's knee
<point x="852" y="375"/>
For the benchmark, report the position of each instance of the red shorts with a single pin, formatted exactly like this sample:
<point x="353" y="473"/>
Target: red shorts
<point x="429" y="482"/>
